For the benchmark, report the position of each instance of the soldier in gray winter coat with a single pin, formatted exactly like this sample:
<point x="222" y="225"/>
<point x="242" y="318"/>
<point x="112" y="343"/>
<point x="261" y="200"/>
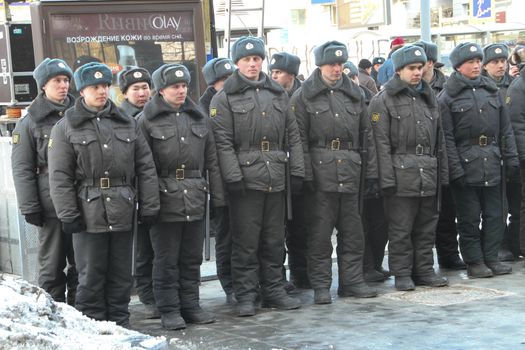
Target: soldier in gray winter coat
<point x="31" y="178"/>
<point x="183" y="148"/>
<point x="406" y="123"/>
<point x="331" y="114"/>
<point x="478" y="136"/>
<point x="95" y="154"/>
<point x="250" y="120"/>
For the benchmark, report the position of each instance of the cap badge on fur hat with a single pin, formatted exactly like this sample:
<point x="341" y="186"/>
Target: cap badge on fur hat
<point x="339" y="53"/>
<point x="137" y="75"/>
<point x="179" y="73"/>
<point x="272" y="61"/>
<point x="249" y="46"/>
<point x="473" y="48"/>
<point x="498" y="50"/>
<point x="346" y="71"/>
<point x="417" y="53"/>
<point x="228" y="66"/>
<point x="61" y="65"/>
<point x="98" y="75"/>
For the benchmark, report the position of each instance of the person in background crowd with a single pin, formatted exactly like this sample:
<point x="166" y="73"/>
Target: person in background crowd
<point x="183" y="148"/>
<point x="331" y="114"/>
<point x="409" y="140"/>
<point x="478" y="135"/>
<point x="495" y="67"/>
<point x="446" y="233"/>
<point x="29" y="161"/>
<point x="365" y="69"/>
<point x="284" y="68"/>
<point x="95" y="154"/>
<point x="250" y="119"/>
<point x="387" y="69"/>
<point x="377" y="62"/>
<point x="515" y="102"/>
<point x="135" y="85"/>
<point x="215" y="72"/>
<point x="375" y="226"/>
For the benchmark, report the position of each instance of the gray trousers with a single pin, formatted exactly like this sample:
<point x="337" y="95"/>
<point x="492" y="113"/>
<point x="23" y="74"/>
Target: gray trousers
<point x="176" y="265"/>
<point x="411" y="225"/>
<point x="104" y="275"/>
<point x="55" y="252"/>
<point x="257" y="223"/>
<point x="326" y="211"/>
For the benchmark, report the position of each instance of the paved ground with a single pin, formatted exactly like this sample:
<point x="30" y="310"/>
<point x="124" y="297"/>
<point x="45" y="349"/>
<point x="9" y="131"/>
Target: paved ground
<point x="470" y="314"/>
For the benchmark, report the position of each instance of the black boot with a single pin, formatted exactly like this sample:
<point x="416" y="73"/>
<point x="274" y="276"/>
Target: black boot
<point x="230" y="299"/>
<point x="479" y="270"/>
<point x="499" y="268"/>
<point x="283" y="303"/>
<point x="432" y="280"/>
<point x="453" y="263"/>
<point x="358" y="290"/>
<point x="245" y="308"/>
<point x="404" y="283"/>
<point x="322" y="296"/>
<point x="373" y="276"/>
<point x="197" y="315"/>
<point x="505" y="254"/>
<point x="172" y="321"/>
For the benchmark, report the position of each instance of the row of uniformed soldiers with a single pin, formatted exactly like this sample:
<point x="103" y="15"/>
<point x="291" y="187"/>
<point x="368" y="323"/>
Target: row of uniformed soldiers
<point x="82" y="167"/>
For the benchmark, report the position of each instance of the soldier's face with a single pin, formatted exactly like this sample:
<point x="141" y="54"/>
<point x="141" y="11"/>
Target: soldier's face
<point x="470" y="69"/>
<point x="250" y="67"/>
<point x="331" y="72"/>
<point x="95" y="96"/>
<point x="283" y="78"/>
<point x="175" y="94"/>
<point x="56" y="88"/>
<point x="496" y="68"/>
<point x="411" y="73"/>
<point x="138" y="94"/>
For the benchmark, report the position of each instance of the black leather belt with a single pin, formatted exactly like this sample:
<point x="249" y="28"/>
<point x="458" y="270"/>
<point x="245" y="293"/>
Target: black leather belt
<point x="264" y="146"/>
<point x="334" y="145"/>
<point x="104" y="182"/>
<point x="418" y="150"/>
<point x="181" y="174"/>
<point x="482" y="141"/>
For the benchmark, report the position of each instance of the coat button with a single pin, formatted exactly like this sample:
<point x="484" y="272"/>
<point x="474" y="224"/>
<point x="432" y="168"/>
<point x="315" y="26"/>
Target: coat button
<point x="110" y="227"/>
<point x="420" y="170"/>
<point x="402" y="166"/>
<point x="182" y="138"/>
<point x="84" y="142"/>
<point x="486" y="183"/>
<point x="127" y="140"/>
<point x="269" y="188"/>
<point x="473" y="89"/>
<point x="162" y="137"/>
<point x="183" y="166"/>
<point x="320" y="162"/>
<point x="247" y="163"/>
<point x="98" y="119"/>
<point x="485" y="159"/>
<point x="257" y="89"/>
<point x="466" y="160"/>
<point x="264" y="137"/>
<point x="187" y="217"/>
<point x="316" y="112"/>
<point x="267" y="162"/>
<point x="480" y="110"/>
<point x="88" y="200"/>
<point x="419" y="121"/>
<point x="337" y="115"/>
<point x="244" y="111"/>
<point x="339" y="161"/>
<point x="263" y="114"/>
<point x="45" y="136"/>
<point x="205" y="187"/>
<point x="108" y="199"/>
<point x="60" y="113"/>
<point x="106" y="172"/>
<point x="165" y="191"/>
<point x="341" y="185"/>
<point x="185" y="191"/>
<point x="331" y="91"/>
<point x="422" y="193"/>
<point x="177" y="114"/>
<point x="105" y="146"/>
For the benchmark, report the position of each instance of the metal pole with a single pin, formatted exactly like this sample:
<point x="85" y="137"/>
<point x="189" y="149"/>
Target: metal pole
<point x="425" y="20"/>
<point x="260" y="30"/>
<point x="227" y="31"/>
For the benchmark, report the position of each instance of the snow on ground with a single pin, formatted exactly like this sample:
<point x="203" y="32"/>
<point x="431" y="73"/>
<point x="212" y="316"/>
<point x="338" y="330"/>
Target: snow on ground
<point x="30" y="319"/>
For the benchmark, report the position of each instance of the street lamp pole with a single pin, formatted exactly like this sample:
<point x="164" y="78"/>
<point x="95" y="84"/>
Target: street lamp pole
<point x="425" y="20"/>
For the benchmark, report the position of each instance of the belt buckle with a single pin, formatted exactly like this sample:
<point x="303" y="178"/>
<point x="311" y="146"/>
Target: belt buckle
<point x="104" y="183"/>
<point x="419" y="150"/>
<point x="483" y="140"/>
<point x="265" y="146"/>
<point x="336" y="144"/>
<point x="179" y="174"/>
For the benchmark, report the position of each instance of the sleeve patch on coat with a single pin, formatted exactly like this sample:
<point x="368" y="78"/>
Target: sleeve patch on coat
<point x="375" y="117"/>
<point x="16" y="138"/>
<point x="50" y="143"/>
<point x="507" y="100"/>
<point x="213" y="112"/>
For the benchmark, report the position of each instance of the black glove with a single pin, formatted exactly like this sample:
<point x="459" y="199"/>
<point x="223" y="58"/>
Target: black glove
<point x="236" y="188"/>
<point x="512" y="173"/>
<point x="371" y="188"/>
<point x="308" y="186"/>
<point x="389" y="191"/>
<point x="296" y="184"/>
<point x="35" y="219"/>
<point x="148" y="219"/>
<point x="459" y="182"/>
<point x="77" y="225"/>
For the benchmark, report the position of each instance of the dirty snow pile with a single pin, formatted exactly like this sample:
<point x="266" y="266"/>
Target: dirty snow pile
<point x="30" y="319"/>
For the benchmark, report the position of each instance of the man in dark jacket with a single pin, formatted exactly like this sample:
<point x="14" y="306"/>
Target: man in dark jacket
<point x="365" y="69"/>
<point x="331" y="114"/>
<point x="495" y="67"/>
<point x="30" y="174"/>
<point x="407" y="131"/>
<point x="215" y="72"/>
<point x="95" y="154"/>
<point x="377" y="62"/>
<point x="446" y="233"/>
<point x="478" y="135"/>
<point x="135" y="85"/>
<point x="183" y="148"/>
<point x="515" y="101"/>
<point x="250" y="120"/>
<point x="284" y="68"/>
<point x="375" y="226"/>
